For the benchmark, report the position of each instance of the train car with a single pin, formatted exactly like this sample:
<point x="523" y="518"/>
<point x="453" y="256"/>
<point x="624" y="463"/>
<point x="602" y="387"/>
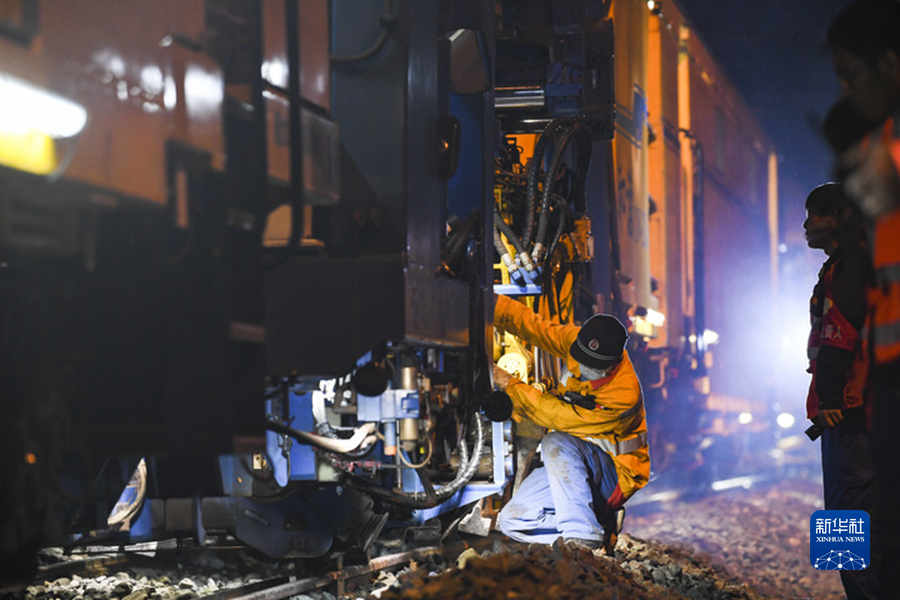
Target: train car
<point x="680" y="204"/>
<point x="248" y="265"/>
<point x="716" y="196"/>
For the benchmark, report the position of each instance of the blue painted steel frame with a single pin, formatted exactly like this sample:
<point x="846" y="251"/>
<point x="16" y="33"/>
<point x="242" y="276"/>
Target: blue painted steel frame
<point x="475" y="491"/>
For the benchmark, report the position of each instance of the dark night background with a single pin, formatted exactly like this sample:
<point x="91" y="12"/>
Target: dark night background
<point x="774" y="52"/>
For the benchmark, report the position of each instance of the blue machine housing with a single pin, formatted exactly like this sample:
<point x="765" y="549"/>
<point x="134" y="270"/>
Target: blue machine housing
<point x="290" y="460"/>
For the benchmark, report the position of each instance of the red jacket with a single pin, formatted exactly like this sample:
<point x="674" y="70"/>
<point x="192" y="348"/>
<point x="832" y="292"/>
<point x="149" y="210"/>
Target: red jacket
<point x="837" y="349"/>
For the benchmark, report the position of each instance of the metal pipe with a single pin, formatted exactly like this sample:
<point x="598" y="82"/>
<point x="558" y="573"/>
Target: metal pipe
<point x="409" y="433"/>
<point x="409" y="376"/>
<point x="364" y="436"/>
<point x="522" y="97"/>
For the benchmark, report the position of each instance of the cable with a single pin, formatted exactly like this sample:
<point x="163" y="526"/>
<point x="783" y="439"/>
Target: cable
<point x="387" y="22"/>
<point x="577" y="129"/>
<point x="405" y="460"/>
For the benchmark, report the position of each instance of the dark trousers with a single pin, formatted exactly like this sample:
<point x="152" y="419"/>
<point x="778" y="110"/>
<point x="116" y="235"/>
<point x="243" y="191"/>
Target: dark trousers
<point x="849" y="480"/>
<point x="886" y="451"/>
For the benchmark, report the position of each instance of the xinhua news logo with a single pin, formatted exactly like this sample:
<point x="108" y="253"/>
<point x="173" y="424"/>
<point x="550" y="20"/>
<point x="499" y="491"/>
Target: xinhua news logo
<point x="839" y="540"/>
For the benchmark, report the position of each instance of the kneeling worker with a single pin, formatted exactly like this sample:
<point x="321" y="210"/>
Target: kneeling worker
<point x="595" y="455"/>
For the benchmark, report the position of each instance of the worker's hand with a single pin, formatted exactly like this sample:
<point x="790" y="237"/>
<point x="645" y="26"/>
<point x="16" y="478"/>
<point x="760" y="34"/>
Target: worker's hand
<point x="501" y="377"/>
<point x="831" y="417"/>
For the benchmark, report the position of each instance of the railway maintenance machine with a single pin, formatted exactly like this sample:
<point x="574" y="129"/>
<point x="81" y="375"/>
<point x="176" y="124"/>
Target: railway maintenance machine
<point x="249" y="251"/>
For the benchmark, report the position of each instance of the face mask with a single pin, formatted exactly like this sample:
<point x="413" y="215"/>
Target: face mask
<point x="590" y="374"/>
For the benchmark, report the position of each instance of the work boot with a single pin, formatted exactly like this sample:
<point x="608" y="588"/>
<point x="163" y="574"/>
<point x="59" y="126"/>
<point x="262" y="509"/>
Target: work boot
<point x="613" y="524"/>
<point x="583" y="543"/>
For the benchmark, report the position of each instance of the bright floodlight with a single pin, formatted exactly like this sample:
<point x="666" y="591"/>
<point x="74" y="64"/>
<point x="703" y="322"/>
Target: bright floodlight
<point x="785" y="420"/>
<point x="24" y="107"/>
<point x="744" y="418"/>
<point x="655" y="318"/>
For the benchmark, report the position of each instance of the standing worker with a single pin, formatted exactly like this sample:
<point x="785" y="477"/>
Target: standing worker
<point x="865" y="51"/>
<point x="596" y="455"/>
<point x="838" y="363"/>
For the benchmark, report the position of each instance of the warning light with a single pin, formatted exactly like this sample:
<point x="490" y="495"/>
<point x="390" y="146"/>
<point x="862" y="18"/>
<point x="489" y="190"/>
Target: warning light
<point x="30" y="458"/>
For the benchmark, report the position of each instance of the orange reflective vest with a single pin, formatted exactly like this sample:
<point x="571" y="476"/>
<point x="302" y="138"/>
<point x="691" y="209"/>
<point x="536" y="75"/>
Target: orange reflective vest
<point x="618" y="424"/>
<point x="884" y="299"/>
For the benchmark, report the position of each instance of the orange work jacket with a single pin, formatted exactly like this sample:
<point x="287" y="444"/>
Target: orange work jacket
<point x="618" y="424"/>
<point x="884" y="299"/>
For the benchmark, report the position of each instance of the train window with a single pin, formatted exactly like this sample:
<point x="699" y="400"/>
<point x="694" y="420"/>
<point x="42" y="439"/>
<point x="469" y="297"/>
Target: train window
<point x="19" y="20"/>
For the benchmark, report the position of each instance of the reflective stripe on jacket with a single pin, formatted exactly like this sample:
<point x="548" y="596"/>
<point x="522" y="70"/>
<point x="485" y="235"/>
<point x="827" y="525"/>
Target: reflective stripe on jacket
<point x="618" y="424"/>
<point x="884" y="299"/>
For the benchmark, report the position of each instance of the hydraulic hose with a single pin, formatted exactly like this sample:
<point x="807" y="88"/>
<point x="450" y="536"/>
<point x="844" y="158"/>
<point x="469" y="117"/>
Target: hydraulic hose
<point x="506" y="230"/>
<point x="364" y="436"/>
<point x="550" y="176"/>
<point x="501" y="248"/>
<point x="522" y="256"/>
<point x="560" y="228"/>
<point x="464" y="474"/>
<point x="534" y="169"/>
<point x="420" y="500"/>
<point x="531" y="189"/>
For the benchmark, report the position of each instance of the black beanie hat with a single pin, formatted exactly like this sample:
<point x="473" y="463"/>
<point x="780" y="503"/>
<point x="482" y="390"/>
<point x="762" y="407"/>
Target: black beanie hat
<point x="600" y="342"/>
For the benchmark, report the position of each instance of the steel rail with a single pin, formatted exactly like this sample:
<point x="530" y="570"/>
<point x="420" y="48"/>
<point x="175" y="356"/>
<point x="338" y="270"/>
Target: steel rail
<point x="338" y="579"/>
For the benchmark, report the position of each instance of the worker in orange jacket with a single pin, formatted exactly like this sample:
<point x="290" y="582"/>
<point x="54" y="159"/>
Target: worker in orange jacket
<point x="865" y="51"/>
<point x="595" y="455"/>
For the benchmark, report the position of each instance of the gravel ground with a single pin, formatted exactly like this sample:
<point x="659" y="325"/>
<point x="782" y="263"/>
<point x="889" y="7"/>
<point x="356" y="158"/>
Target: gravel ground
<point x="194" y="576"/>
<point x="748" y="544"/>
<point x="759" y="536"/>
<point x="639" y="571"/>
<point x="745" y="544"/>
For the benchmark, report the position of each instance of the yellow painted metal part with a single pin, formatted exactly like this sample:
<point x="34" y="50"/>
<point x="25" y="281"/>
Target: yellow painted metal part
<point x="32" y="151"/>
